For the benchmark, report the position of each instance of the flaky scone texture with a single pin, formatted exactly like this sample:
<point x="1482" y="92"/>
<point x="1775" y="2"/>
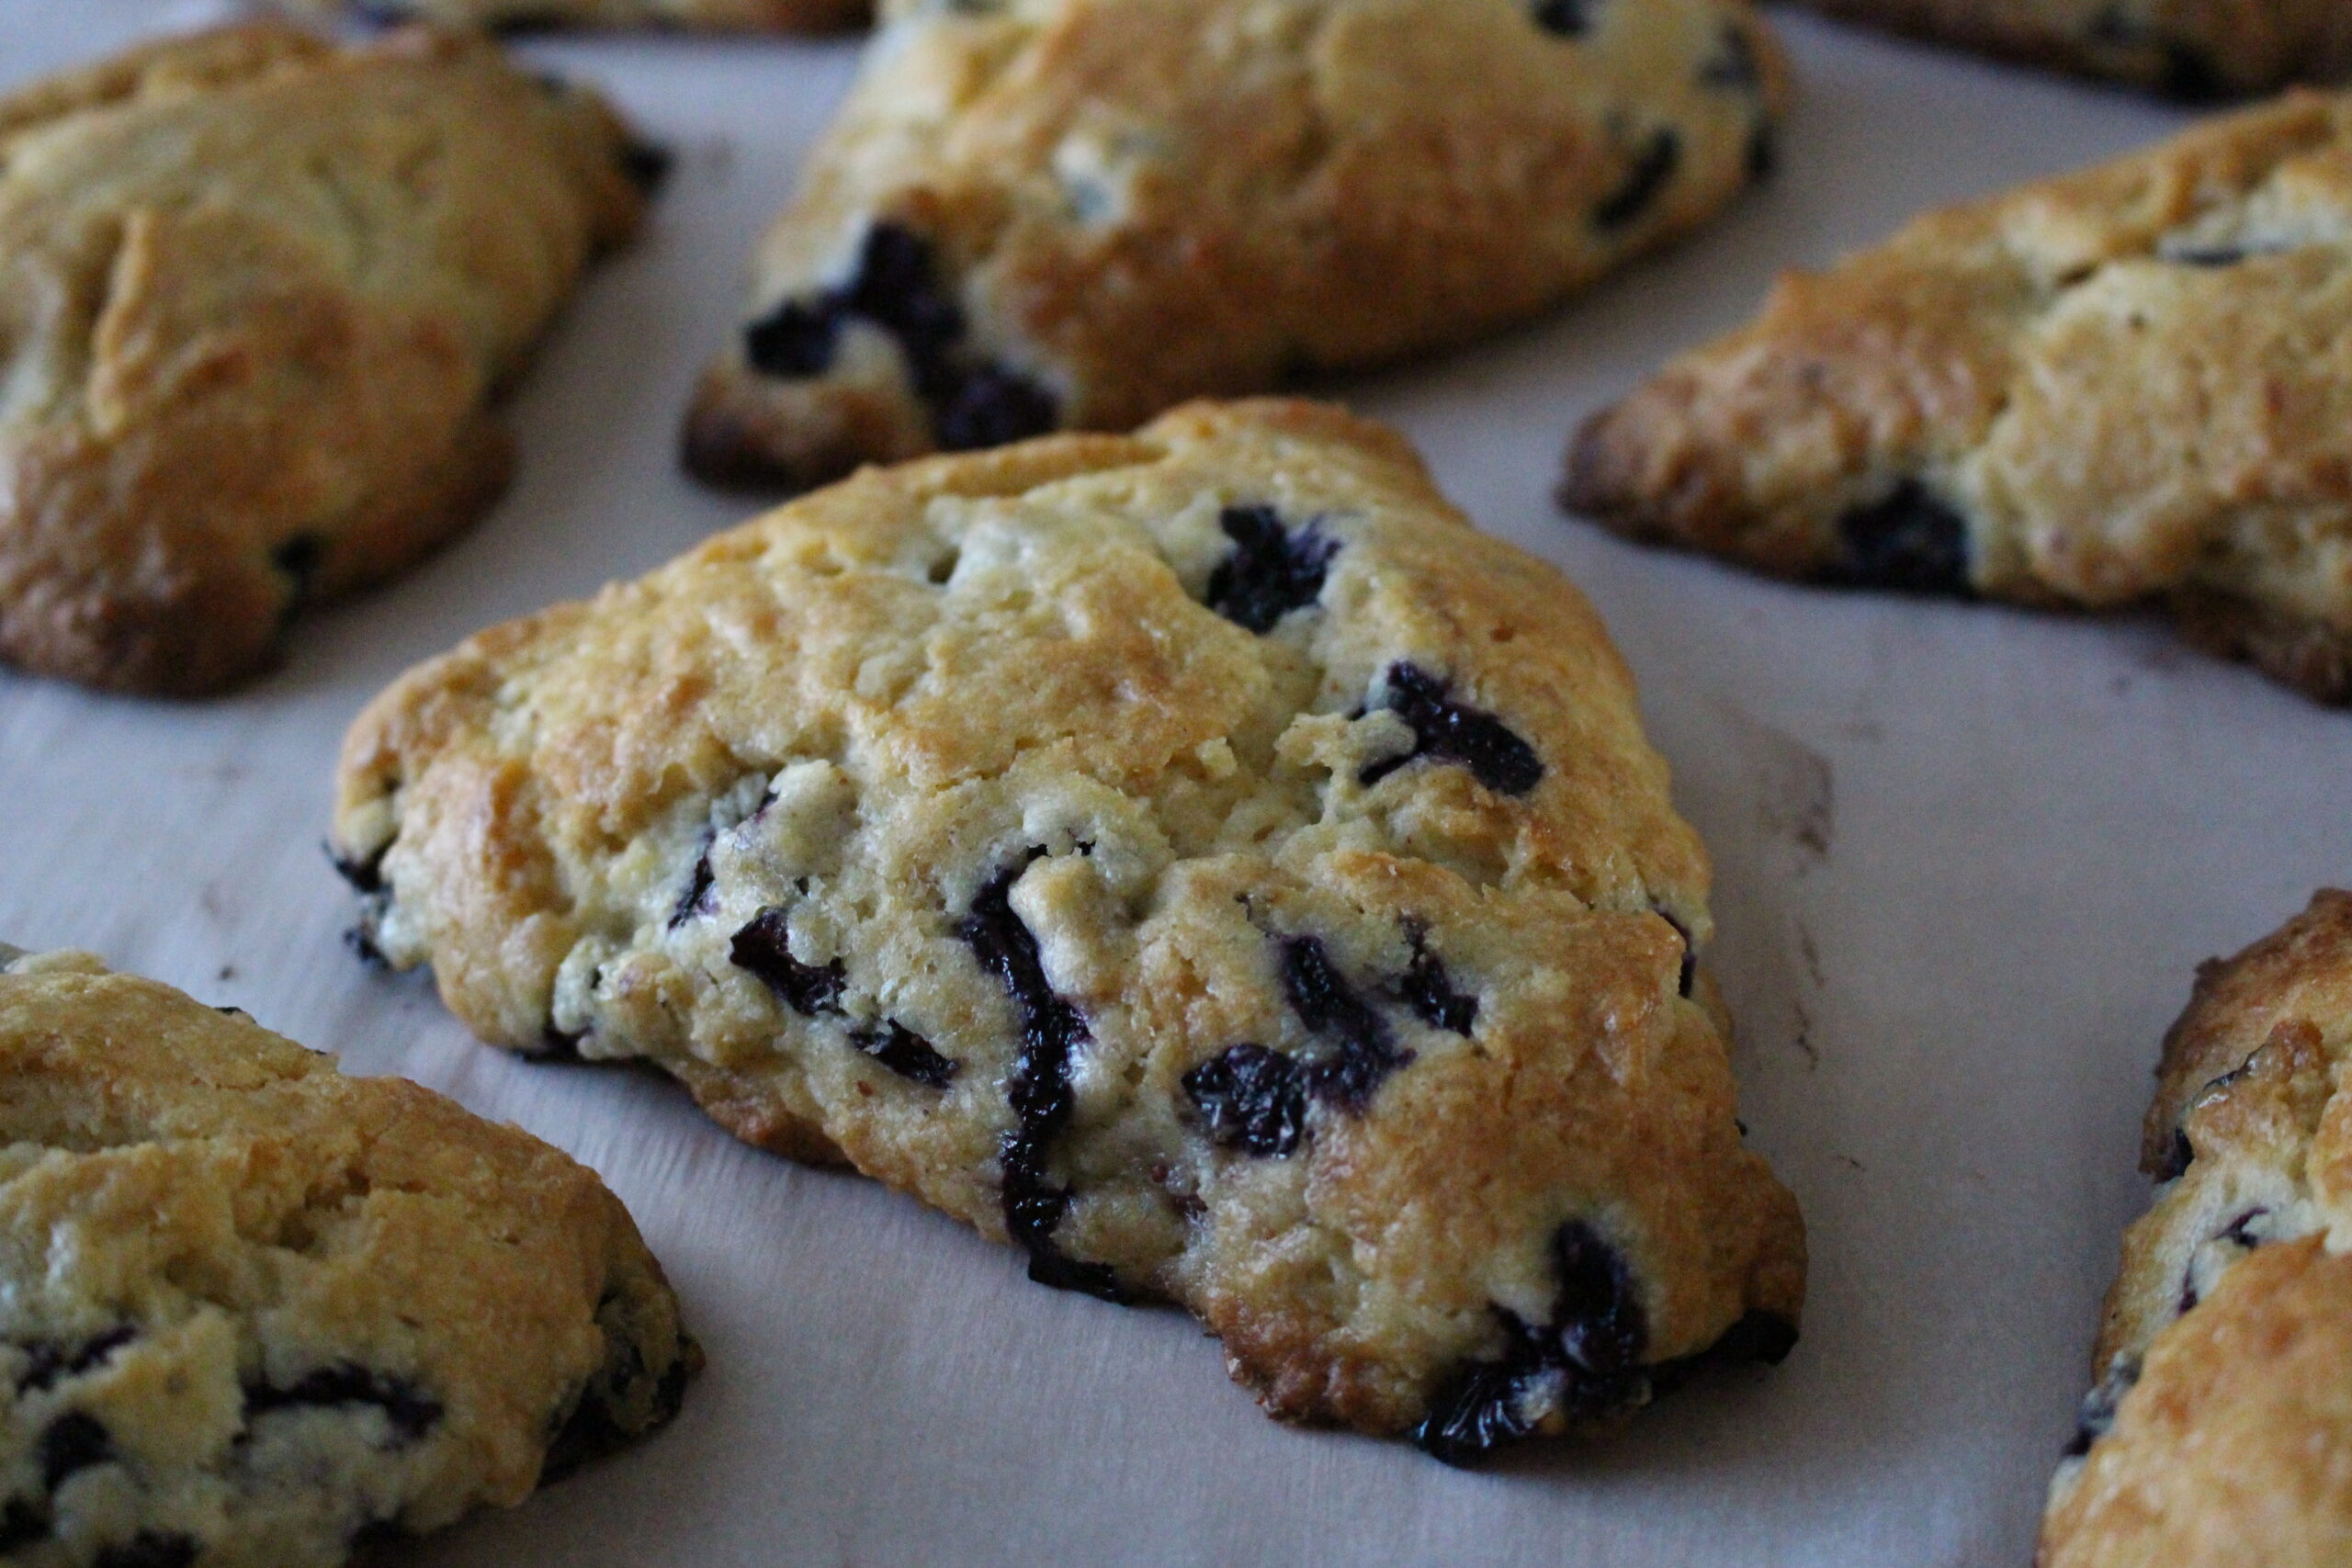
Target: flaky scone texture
<point x="1200" y="858"/>
<point x="2128" y="385"/>
<point x="257" y="292"/>
<point x="251" y="1309"/>
<point x="2194" y="50"/>
<point x="529" y="16"/>
<point x="1041" y="214"/>
<point x="2220" y="1430"/>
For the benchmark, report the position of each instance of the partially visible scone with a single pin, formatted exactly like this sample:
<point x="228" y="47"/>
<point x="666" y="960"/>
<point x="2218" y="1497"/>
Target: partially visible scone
<point x="2193" y="50"/>
<point x="2130" y="385"/>
<point x="1201" y="859"/>
<point x="252" y="1310"/>
<point x="257" y="291"/>
<point x="528" y="16"/>
<point x="1042" y="214"/>
<point x="2221" y="1431"/>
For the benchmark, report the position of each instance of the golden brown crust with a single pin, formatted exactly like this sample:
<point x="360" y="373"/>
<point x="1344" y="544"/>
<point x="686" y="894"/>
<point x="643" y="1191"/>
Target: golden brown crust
<point x="2187" y="49"/>
<point x="290" y="1304"/>
<point x="774" y="815"/>
<point x="2221" y="1431"/>
<point x="261" y="289"/>
<point x="1119" y="204"/>
<point x="2128" y="385"/>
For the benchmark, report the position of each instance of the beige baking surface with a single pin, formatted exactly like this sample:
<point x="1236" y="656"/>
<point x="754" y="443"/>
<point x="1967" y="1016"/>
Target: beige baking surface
<point x="1967" y="858"/>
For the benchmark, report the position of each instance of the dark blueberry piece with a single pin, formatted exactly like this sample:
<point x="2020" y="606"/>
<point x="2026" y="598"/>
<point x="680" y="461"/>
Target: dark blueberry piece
<point x="896" y="288"/>
<point x="1765" y="1336"/>
<point x="1690" y="951"/>
<point x="384" y="13"/>
<point x="763" y="948"/>
<point x="1270" y="571"/>
<point x="1598" y="1312"/>
<point x="72" y="1442"/>
<point x="586" y="1429"/>
<point x="696" y="898"/>
<point x="1569" y="18"/>
<point x="1910" y="542"/>
<point x="1653" y="167"/>
<point x="411" y="1412"/>
<point x="1051" y="1031"/>
<point x="2189" y="75"/>
<point x="1763" y="150"/>
<point x="905" y="1052"/>
<point x="297" y="560"/>
<point x="1454" y="732"/>
<point x="1349" y="1076"/>
<point x="1492" y="1405"/>
<point x="1733" y="67"/>
<point x="149" y="1548"/>
<point x="1758" y="1336"/>
<point x="795" y="340"/>
<point x="2216" y="255"/>
<point x="647" y="164"/>
<point x="558" y="1047"/>
<point x="991" y="406"/>
<point x="2236" y="1230"/>
<point x="2098" y="1415"/>
<point x="1584" y="1364"/>
<point x="364" y="948"/>
<point x="22" y="1523"/>
<point x="47" y="1360"/>
<point x="2177" y="1156"/>
<point x="1253" y="1099"/>
<point x="365" y="875"/>
<point x="1429" y="990"/>
<point x="525" y="24"/>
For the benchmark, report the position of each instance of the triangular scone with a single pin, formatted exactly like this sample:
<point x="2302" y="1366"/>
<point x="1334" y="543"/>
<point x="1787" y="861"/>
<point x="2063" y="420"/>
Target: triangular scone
<point x="1042" y="214"/>
<point x="1200" y="858"/>
<point x="2132" y="384"/>
<point x="2193" y="50"/>
<point x="253" y="1312"/>
<point x="533" y="16"/>
<point x="2220" y="1432"/>
<point x="257" y="292"/>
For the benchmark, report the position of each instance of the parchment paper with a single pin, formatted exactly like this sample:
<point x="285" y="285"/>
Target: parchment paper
<point x="1966" y="858"/>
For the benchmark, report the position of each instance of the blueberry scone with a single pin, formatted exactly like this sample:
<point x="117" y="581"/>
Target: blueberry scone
<point x="529" y="16"/>
<point x="1200" y="859"/>
<point x="1044" y="214"/>
<point x="2193" y="50"/>
<point x="2220" y="1432"/>
<point x="2131" y="384"/>
<point x="252" y="1311"/>
<point x="255" y="291"/>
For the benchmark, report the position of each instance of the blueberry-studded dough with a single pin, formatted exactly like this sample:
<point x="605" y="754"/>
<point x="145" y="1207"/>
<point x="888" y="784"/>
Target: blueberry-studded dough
<point x="2191" y="50"/>
<point x="2218" y="1430"/>
<point x="258" y="293"/>
<point x="536" y="15"/>
<point x="2130" y="384"/>
<point x="1200" y="859"/>
<point x="1044" y="214"/>
<point x="252" y="1312"/>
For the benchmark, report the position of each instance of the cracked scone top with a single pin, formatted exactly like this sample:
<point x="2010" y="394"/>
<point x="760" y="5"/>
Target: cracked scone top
<point x="259" y="290"/>
<point x="2220" y="1432"/>
<point x="1039" y="214"/>
<point x="2193" y="50"/>
<point x="1201" y="859"/>
<point x="251" y="1309"/>
<point x="2131" y="384"/>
